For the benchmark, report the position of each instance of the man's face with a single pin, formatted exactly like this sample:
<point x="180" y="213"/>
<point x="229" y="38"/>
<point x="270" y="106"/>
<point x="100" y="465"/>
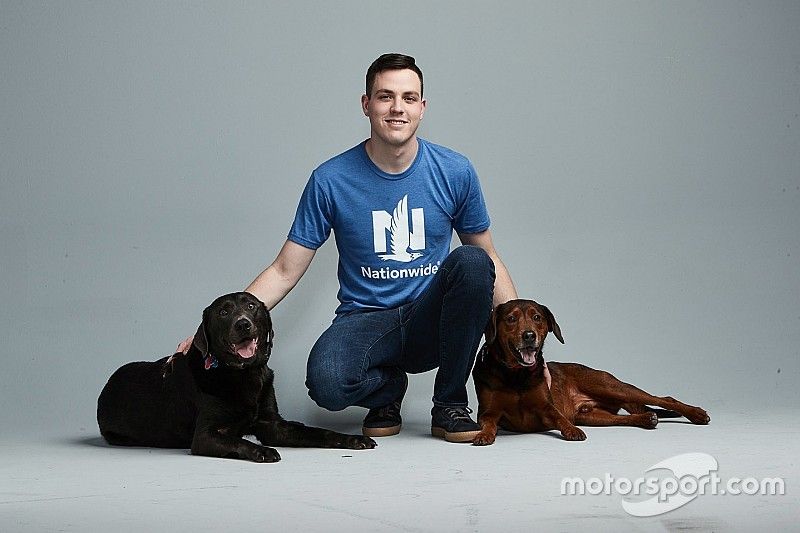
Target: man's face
<point x="395" y="106"/>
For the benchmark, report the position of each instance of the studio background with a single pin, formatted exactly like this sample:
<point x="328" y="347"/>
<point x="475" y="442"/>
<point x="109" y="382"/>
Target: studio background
<point x="639" y="160"/>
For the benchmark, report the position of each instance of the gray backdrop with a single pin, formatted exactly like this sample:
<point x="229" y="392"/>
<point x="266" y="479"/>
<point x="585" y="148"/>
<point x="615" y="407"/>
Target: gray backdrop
<point x="640" y="161"/>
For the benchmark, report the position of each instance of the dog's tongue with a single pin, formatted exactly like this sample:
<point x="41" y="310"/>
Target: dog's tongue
<point x="246" y="349"/>
<point x="528" y="355"/>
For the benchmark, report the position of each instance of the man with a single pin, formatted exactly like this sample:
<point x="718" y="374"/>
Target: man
<point x="407" y="305"/>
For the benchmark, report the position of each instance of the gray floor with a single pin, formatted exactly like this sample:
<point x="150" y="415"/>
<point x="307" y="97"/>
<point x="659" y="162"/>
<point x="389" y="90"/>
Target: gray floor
<point x="412" y="482"/>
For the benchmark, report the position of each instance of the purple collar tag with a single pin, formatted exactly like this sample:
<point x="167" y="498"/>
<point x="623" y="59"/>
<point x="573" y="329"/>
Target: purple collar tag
<point x="210" y="362"/>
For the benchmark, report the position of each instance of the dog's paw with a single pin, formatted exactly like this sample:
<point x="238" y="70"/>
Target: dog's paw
<point x="483" y="438"/>
<point x="647" y="420"/>
<point x="573" y="433"/>
<point x="698" y="416"/>
<point x="266" y="455"/>
<point x="358" y="442"/>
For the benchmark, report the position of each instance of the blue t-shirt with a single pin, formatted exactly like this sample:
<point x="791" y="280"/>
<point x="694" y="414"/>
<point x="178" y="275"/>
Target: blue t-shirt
<point x="392" y="231"/>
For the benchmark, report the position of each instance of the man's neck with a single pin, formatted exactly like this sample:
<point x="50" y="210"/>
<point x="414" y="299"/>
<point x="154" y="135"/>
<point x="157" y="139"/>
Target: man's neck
<point x="392" y="159"/>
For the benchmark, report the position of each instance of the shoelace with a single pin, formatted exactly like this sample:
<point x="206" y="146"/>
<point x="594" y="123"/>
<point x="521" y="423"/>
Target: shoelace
<point x="391" y="408"/>
<point x="458" y="413"/>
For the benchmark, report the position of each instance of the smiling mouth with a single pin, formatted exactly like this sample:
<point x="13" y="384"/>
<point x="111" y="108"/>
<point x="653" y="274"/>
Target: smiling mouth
<point x="527" y="355"/>
<point x="396" y="122"/>
<point x="245" y="349"/>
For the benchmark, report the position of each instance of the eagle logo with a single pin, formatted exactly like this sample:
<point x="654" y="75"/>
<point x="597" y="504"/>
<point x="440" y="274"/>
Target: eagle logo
<point x="400" y="235"/>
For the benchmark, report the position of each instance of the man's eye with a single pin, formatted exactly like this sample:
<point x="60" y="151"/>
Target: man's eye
<point x="410" y="99"/>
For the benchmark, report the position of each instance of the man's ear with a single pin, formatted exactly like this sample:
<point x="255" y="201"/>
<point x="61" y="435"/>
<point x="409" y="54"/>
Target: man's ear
<point x="364" y="104"/>
<point x="491" y="327"/>
<point x="553" y="325"/>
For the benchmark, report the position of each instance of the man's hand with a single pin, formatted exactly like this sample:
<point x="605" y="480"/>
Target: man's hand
<point x="183" y="349"/>
<point x="184" y="346"/>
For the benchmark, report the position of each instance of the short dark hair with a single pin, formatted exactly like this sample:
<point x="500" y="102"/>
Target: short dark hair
<point x="391" y="62"/>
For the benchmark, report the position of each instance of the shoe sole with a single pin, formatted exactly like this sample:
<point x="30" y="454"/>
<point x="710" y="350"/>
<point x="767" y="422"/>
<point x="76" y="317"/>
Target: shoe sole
<point x="381" y="432"/>
<point x="460" y="436"/>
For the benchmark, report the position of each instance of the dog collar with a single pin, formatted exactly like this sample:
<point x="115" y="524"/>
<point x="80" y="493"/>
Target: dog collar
<point x="210" y="362"/>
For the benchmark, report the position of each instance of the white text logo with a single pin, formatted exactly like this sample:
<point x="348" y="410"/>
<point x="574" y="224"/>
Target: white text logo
<point x="690" y="475"/>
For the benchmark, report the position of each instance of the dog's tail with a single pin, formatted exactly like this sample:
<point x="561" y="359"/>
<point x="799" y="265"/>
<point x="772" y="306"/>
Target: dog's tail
<point x="663" y="413"/>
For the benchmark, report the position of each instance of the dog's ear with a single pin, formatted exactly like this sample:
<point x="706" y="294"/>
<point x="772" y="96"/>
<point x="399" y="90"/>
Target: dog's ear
<point x="201" y="337"/>
<point x="553" y="325"/>
<point x="491" y="327"/>
<point x="268" y="318"/>
<point x="264" y="310"/>
<point x="271" y="341"/>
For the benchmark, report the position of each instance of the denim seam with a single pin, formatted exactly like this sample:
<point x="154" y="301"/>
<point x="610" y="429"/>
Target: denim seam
<point x="364" y="358"/>
<point x="414" y="310"/>
<point x="441" y="350"/>
<point x="441" y="338"/>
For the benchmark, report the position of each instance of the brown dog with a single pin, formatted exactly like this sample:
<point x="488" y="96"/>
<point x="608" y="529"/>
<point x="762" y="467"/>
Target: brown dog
<point x="513" y="395"/>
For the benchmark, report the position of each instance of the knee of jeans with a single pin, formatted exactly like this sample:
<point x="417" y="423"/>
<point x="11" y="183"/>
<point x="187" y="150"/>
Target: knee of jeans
<point x="472" y="265"/>
<point x="327" y="390"/>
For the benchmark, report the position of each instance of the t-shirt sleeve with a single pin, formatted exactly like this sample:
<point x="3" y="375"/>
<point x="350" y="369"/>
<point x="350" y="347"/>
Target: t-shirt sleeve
<point x="312" y="221"/>
<point x="471" y="215"/>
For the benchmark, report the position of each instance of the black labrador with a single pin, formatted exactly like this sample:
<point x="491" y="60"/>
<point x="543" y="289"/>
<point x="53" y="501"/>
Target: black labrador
<point x="207" y="400"/>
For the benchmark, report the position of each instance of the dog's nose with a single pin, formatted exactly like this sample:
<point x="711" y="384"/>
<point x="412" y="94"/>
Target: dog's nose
<point x="243" y="325"/>
<point x="528" y="336"/>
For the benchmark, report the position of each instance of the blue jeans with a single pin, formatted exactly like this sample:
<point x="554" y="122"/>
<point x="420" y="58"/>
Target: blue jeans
<point x="362" y="358"/>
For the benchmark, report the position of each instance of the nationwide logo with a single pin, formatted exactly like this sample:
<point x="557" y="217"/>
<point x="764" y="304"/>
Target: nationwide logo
<point x="405" y="241"/>
<point x="398" y="273"/>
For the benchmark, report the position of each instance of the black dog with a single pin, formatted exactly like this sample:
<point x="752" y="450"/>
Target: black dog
<point x="207" y="400"/>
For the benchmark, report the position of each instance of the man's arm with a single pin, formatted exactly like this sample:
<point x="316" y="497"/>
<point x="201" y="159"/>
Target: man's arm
<point x="503" y="286"/>
<point x="282" y="275"/>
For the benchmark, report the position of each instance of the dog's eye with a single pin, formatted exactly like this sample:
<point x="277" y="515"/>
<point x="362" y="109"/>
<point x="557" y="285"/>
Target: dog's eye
<point x="537" y="318"/>
<point x="511" y="319"/>
<point x="251" y="306"/>
<point x="223" y="312"/>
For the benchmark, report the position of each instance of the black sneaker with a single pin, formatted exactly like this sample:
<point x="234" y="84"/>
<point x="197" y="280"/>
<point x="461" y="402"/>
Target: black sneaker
<point x="453" y="424"/>
<point x="384" y="421"/>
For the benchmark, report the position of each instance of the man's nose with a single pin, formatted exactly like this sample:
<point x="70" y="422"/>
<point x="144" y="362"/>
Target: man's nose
<point x="397" y="106"/>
